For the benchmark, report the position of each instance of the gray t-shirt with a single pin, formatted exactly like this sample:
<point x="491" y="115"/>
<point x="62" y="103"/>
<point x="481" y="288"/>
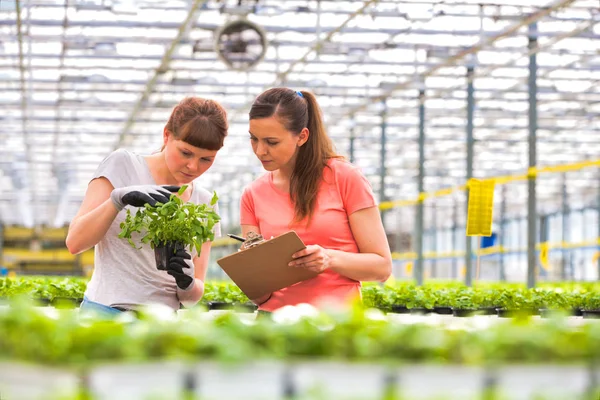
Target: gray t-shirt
<point x="124" y="276"/>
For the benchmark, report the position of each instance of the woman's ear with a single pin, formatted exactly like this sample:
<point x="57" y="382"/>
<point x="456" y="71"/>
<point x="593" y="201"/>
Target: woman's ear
<point x="303" y="137"/>
<point x="166" y="134"/>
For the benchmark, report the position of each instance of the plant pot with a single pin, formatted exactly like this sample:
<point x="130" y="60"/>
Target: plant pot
<point x="164" y="252"/>
<point x="443" y="310"/>
<point x="550" y="312"/>
<point x="577" y="312"/>
<point x="591" y="313"/>
<point x="399" y="309"/>
<point x="465" y="312"/>
<point x="220" y="305"/>
<point x="489" y="310"/>
<point x="420" y="311"/>
<point x="504" y="313"/>
<point x="65" y="302"/>
<point x="42" y="301"/>
<point x="245" y="308"/>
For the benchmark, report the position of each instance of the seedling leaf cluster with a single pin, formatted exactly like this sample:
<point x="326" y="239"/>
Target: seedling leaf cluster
<point x="173" y="222"/>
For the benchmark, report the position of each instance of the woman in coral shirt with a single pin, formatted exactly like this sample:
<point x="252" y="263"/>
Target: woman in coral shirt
<point x="310" y="189"/>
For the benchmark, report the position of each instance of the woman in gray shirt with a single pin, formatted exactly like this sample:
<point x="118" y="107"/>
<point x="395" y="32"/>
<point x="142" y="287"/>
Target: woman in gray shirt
<point x="125" y="278"/>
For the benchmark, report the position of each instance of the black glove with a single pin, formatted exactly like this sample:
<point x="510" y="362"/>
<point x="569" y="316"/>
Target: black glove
<point x="181" y="268"/>
<point x="138" y="196"/>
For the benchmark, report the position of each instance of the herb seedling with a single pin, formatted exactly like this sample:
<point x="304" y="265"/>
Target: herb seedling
<point x="174" y="222"/>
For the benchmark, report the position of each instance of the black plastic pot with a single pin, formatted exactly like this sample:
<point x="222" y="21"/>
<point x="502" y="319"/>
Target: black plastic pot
<point x="443" y="310"/>
<point x="398" y="309"/>
<point x="465" y="312"/>
<point x="591" y="313"/>
<point x="220" y="305"/>
<point x="488" y="310"/>
<point x="504" y="313"/>
<point x="65" y="302"/>
<point x="420" y="311"/>
<point x="41" y="301"/>
<point x="164" y="252"/>
<point x="549" y="312"/>
<point x="245" y="308"/>
<point x="577" y="312"/>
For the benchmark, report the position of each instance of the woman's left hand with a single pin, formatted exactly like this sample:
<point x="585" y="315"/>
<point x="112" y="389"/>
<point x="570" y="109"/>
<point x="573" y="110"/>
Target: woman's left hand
<point x="313" y="258"/>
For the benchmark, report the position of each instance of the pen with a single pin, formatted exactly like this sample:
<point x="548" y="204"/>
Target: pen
<point x="236" y="237"/>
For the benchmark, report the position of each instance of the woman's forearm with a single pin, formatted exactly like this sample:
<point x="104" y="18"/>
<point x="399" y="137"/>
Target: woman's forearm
<point x="87" y="230"/>
<point x="360" y="266"/>
<point x="190" y="298"/>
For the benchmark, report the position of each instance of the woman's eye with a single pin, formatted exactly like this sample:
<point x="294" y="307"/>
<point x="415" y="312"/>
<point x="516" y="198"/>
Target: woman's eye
<point x="272" y="143"/>
<point x="253" y="138"/>
<point x="185" y="153"/>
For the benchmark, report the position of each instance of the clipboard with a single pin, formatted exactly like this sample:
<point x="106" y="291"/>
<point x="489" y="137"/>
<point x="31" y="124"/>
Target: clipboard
<point x="264" y="269"/>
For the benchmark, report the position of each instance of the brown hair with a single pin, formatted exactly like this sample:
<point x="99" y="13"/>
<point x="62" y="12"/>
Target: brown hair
<point x="199" y="122"/>
<point x="296" y="111"/>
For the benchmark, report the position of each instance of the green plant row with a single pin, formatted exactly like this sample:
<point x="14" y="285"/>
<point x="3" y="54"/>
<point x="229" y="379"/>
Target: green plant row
<point x="51" y="288"/>
<point x="558" y="296"/>
<point x="62" y="337"/>
<point x="506" y="296"/>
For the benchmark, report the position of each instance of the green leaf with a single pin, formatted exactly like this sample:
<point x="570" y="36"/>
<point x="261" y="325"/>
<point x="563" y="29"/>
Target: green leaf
<point x="214" y="199"/>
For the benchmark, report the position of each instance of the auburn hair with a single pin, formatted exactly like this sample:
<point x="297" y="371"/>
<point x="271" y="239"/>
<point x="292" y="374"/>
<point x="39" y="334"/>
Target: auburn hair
<point x="199" y="122"/>
<point x="296" y="111"/>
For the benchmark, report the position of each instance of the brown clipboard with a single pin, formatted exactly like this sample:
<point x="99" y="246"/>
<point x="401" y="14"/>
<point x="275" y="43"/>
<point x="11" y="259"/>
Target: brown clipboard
<point x="264" y="268"/>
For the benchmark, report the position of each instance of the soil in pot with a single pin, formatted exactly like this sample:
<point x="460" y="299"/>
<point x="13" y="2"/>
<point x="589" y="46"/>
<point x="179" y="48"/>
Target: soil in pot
<point x="466" y="312"/>
<point x="504" y="313"/>
<point x="443" y="310"/>
<point x="220" y="305"/>
<point x="420" y="311"/>
<point x="65" y="302"/>
<point x="164" y="252"/>
<point x="591" y="313"/>
<point x="489" y="310"/>
<point x="398" y="309"/>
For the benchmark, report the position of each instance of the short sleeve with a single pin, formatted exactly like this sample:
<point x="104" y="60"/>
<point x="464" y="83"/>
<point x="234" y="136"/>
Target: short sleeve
<point x="247" y="214"/>
<point x="355" y="189"/>
<point x="114" y="168"/>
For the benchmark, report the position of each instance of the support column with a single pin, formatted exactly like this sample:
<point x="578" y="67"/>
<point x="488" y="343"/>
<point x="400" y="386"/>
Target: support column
<point x="455" y="240"/>
<point x="470" y="146"/>
<point x="531" y="181"/>
<point x="418" y="270"/>
<point x="382" y="168"/>
<point x="598" y="226"/>
<point x="351" y="144"/>
<point x="565" y="228"/>
<point x="434" y="237"/>
<point x="502" y="233"/>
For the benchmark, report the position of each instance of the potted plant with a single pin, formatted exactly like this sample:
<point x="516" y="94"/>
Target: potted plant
<point x="171" y="226"/>
<point x="400" y="297"/>
<point x="464" y="303"/>
<point x="422" y="302"/>
<point x="590" y="305"/>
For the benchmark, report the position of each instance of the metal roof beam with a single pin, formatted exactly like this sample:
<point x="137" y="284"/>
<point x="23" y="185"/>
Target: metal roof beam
<point x="182" y="31"/>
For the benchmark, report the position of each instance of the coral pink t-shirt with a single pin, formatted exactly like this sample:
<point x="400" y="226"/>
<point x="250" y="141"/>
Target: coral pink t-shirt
<point x="343" y="191"/>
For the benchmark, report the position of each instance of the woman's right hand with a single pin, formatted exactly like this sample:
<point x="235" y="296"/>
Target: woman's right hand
<point x="139" y="195"/>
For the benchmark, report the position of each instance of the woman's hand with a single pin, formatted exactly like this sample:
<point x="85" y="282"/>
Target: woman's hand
<point x="313" y="258"/>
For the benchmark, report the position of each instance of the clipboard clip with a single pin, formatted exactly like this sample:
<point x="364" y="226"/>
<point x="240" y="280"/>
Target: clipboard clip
<point x="252" y="239"/>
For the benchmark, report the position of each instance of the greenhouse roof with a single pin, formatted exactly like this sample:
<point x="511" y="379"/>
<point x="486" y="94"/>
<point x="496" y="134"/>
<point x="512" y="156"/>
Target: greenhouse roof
<point x="80" y="78"/>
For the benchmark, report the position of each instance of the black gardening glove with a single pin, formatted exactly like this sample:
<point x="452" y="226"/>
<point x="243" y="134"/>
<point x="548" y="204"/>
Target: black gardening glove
<point x="181" y="268"/>
<point x="139" y="195"/>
